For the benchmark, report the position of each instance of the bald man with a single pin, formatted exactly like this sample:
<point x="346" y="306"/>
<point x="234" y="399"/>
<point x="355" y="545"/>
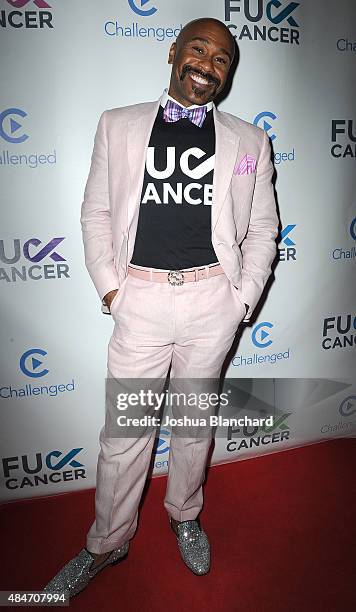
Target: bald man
<point x="179" y="225"/>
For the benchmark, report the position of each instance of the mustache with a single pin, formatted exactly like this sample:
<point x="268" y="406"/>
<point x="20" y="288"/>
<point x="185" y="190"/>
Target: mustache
<point x="206" y="75"/>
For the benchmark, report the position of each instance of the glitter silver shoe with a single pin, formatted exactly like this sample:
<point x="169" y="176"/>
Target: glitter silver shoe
<point x="76" y="574"/>
<point x="194" y="546"/>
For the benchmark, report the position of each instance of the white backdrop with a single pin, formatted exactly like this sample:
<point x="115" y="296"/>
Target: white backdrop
<point x="65" y="63"/>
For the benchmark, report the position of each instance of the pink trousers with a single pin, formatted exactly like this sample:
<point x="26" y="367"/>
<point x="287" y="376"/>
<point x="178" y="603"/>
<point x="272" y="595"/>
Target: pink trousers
<point x="190" y="327"/>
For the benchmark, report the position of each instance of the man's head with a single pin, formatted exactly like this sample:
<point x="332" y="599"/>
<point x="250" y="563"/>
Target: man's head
<point x="201" y="58"/>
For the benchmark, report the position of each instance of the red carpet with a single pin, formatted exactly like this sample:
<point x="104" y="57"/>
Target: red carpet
<point x="282" y="529"/>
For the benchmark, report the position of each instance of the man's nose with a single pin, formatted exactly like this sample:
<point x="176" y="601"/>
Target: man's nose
<point x="206" y="64"/>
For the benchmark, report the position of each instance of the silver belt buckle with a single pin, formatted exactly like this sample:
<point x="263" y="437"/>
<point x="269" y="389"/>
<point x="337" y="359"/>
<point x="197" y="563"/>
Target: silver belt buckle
<point x="175" y="277"/>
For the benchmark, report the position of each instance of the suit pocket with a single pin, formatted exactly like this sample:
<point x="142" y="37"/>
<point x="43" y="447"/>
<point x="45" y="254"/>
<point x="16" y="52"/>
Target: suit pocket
<point x="118" y="297"/>
<point x="238" y="300"/>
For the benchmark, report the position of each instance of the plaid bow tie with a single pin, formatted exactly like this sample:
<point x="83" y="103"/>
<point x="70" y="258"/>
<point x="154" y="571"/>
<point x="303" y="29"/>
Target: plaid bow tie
<point x="173" y="112"/>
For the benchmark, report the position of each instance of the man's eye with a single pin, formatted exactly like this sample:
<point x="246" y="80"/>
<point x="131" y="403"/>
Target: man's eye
<point x="221" y="60"/>
<point x="198" y="49"/>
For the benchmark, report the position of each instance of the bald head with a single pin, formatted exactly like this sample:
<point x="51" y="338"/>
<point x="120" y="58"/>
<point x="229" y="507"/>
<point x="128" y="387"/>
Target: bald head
<point x="201" y="58"/>
<point x="191" y="26"/>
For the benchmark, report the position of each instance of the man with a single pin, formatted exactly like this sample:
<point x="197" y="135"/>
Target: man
<point x="179" y="225"/>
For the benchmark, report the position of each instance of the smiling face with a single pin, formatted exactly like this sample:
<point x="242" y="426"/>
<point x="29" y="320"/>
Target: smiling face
<point x="201" y="58"/>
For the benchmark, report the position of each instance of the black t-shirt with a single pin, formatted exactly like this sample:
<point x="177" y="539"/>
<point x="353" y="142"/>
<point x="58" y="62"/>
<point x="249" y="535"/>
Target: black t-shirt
<point x="174" y="224"/>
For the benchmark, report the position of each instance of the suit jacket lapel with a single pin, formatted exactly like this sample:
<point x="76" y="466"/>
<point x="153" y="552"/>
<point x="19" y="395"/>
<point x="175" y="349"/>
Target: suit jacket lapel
<point x="227" y="145"/>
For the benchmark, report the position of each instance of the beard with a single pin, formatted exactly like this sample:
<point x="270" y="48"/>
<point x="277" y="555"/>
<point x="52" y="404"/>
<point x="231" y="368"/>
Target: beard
<point x="196" y="89"/>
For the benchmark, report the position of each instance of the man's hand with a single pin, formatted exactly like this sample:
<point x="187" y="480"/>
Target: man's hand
<point x="108" y="298"/>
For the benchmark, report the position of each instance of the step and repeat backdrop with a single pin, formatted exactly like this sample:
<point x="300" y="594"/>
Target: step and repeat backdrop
<point x="63" y="64"/>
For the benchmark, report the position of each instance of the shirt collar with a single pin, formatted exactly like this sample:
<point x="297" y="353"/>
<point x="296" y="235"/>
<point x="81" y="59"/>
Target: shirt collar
<point x="166" y="96"/>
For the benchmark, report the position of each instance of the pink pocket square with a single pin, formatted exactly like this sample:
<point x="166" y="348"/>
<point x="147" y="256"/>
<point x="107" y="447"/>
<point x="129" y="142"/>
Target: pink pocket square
<point x="246" y="166"/>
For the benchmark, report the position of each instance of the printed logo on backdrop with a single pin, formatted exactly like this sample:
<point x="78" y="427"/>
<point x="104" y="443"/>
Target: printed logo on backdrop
<point x="249" y="437"/>
<point x="13" y="131"/>
<point x="28" y="14"/>
<point x="346" y="252"/>
<point x="347" y="423"/>
<point x="9" y="131"/>
<point x="348" y="406"/>
<point x="261" y="337"/>
<point x="343" y="137"/>
<point x="40" y="470"/>
<point x="32" y="260"/>
<point x="32" y="365"/>
<point x="287" y="248"/>
<point x="137" y="8"/>
<point x="121" y="27"/>
<point x="339" y="332"/>
<point x="353" y="229"/>
<point x="275" y="21"/>
<point x="344" y="44"/>
<point x="161" y="448"/>
<point x="265" y="120"/>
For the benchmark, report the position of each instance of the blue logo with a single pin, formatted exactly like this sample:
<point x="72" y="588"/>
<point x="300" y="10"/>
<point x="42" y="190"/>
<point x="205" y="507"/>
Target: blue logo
<point x="12" y="131"/>
<point x="29" y="364"/>
<point x="25" y="470"/>
<point x="66" y="460"/>
<point x="259" y="335"/>
<point x="140" y="11"/>
<point x="136" y="29"/>
<point x="284" y="235"/>
<point x="254" y="11"/>
<point x="265" y="125"/>
<point x="346" y="253"/>
<point x="285" y="13"/>
<point x="13" y="125"/>
<point x="162" y="444"/>
<point x="33" y="251"/>
<point x="348" y="406"/>
<point x="281" y="25"/>
<point x="353" y="229"/>
<point x="289" y="251"/>
<point x="261" y="338"/>
<point x="265" y="120"/>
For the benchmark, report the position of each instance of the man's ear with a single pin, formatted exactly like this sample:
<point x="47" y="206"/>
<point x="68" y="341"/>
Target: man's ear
<point x="172" y="53"/>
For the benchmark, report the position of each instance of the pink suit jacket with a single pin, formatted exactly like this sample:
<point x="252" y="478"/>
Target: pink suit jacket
<point x="244" y="221"/>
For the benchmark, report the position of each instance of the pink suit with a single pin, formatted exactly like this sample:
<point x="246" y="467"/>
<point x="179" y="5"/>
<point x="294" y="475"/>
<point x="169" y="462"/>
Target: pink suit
<point x="191" y="326"/>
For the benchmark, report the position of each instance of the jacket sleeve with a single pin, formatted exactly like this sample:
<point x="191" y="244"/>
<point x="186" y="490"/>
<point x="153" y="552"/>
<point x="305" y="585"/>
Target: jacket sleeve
<point x="259" y="245"/>
<point x="96" y="217"/>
